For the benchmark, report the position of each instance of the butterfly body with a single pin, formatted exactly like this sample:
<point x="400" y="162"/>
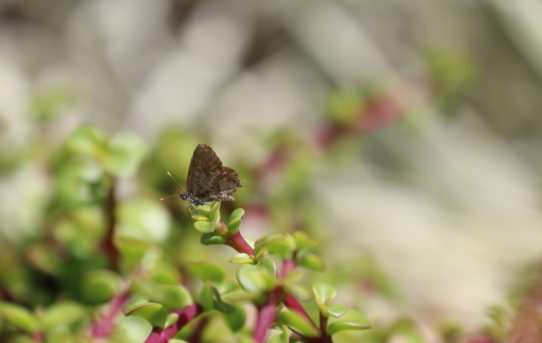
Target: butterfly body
<point x="208" y="180"/>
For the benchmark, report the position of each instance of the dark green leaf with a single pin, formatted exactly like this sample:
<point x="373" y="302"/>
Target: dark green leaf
<point x="212" y="238"/>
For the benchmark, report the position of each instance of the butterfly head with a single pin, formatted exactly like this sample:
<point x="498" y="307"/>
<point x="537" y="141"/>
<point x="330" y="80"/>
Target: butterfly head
<point x="185" y="196"/>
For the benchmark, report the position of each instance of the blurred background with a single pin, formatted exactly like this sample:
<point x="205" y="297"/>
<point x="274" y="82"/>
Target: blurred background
<point x="404" y="134"/>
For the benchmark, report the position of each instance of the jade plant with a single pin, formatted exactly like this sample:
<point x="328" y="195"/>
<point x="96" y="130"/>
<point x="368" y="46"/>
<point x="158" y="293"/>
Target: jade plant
<point x="103" y="266"/>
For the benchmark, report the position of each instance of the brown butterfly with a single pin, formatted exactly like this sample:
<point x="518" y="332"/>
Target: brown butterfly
<point x="208" y="180"/>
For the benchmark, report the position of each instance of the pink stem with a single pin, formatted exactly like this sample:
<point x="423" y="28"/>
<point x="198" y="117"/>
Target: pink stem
<point x="292" y="303"/>
<point x="162" y="335"/>
<point x="238" y="242"/>
<point x="104" y="326"/>
<point x="287" y="267"/>
<point x="266" y="315"/>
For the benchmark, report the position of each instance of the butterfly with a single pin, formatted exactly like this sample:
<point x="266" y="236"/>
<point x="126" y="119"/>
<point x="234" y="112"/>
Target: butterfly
<point x="208" y="180"/>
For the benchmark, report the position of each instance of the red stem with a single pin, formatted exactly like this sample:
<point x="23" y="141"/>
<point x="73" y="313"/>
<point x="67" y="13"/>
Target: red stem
<point x="107" y="245"/>
<point x="292" y="303"/>
<point x="266" y="315"/>
<point x="104" y="326"/>
<point x="162" y="335"/>
<point x="238" y="242"/>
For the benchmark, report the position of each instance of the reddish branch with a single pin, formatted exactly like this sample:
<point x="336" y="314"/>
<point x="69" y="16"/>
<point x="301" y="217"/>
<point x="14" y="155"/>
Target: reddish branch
<point x="104" y="325"/>
<point x="108" y="246"/>
<point x="162" y="335"/>
<point x="266" y="315"/>
<point x="238" y="242"/>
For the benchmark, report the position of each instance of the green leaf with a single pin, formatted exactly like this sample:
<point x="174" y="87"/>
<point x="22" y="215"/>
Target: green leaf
<point x="268" y="264"/>
<point x="212" y="238"/>
<point x="124" y="154"/>
<point x="173" y="296"/>
<point x="100" y="285"/>
<point x="235" y="319"/>
<point x="302" y="241"/>
<point x="87" y="140"/>
<point x="163" y="273"/>
<point x="171" y="319"/>
<point x="62" y="313"/>
<point x="146" y="310"/>
<point x="241" y="258"/>
<point x="204" y="226"/>
<point x="143" y="219"/>
<point x="206" y="297"/>
<point x="311" y="261"/>
<point x="127" y="330"/>
<point x="298" y="323"/>
<point x="218" y="304"/>
<point x="19" y="317"/>
<point x="235" y="220"/>
<point x="154" y="313"/>
<point x="253" y="278"/>
<point x="208" y="271"/>
<point x="352" y="320"/>
<point x="323" y="292"/>
<point x="334" y="310"/>
<point x="131" y="248"/>
<point x="280" y="245"/>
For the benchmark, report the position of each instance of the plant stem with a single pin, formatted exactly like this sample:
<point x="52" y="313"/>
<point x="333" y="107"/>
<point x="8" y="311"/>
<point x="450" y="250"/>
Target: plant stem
<point x="238" y="242"/>
<point x="266" y="315"/>
<point x="198" y="331"/>
<point x="108" y="246"/>
<point x="162" y="335"/>
<point x="38" y="336"/>
<point x="104" y="326"/>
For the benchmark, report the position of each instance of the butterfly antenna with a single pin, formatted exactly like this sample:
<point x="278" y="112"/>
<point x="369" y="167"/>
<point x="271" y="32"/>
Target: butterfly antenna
<point x="174" y="179"/>
<point x="169" y="197"/>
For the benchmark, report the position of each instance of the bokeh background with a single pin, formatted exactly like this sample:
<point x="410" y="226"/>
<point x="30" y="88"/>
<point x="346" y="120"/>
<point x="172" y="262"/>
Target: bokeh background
<point x="421" y="118"/>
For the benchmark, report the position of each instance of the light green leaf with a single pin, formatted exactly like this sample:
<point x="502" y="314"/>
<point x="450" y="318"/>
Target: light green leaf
<point x="235" y="220"/>
<point x="204" y="226"/>
<point x="131" y="248"/>
<point x="298" y="323"/>
<point x="352" y="320"/>
<point x="241" y="258"/>
<point x="303" y="241"/>
<point x="124" y="155"/>
<point x="62" y="313"/>
<point x="100" y="285"/>
<point x="173" y="296"/>
<point x="19" y="317"/>
<point x="334" y="310"/>
<point x="323" y="292"/>
<point x="208" y="271"/>
<point x="253" y="278"/>
<point x="311" y="261"/>
<point x="87" y="140"/>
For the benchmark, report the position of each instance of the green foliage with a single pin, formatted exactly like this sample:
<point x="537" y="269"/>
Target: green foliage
<point x="121" y="265"/>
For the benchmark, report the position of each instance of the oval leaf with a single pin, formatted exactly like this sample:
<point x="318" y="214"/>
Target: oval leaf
<point x="352" y="320"/>
<point x="208" y="271"/>
<point x="298" y="323"/>
<point x="19" y="317"/>
<point x="323" y="292"/>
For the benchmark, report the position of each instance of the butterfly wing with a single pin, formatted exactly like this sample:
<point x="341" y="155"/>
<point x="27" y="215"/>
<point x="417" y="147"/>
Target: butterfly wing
<point x="226" y="183"/>
<point x="205" y="167"/>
